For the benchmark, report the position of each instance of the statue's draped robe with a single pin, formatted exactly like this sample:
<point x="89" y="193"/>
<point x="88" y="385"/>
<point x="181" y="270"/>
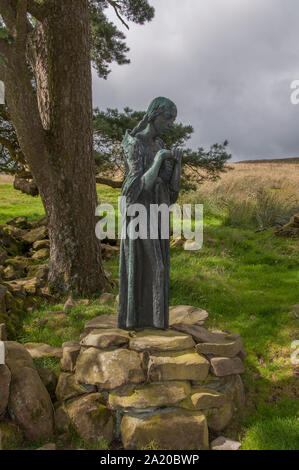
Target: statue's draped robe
<point x="144" y="263"/>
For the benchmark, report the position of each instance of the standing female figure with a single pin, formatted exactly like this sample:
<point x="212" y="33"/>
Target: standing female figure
<point x="153" y="176"/>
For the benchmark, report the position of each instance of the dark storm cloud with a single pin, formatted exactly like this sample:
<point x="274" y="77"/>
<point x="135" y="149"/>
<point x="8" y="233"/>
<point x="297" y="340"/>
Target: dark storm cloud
<point x="227" y="64"/>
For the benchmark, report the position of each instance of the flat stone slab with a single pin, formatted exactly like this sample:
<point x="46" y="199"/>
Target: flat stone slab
<point x="159" y="394"/>
<point x="106" y="338"/>
<point x="172" y="430"/>
<point x="25" y="285"/>
<point x="222" y="366"/>
<point x="227" y="347"/>
<point x="35" y="235"/>
<point x="218" y="343"/>
<point x="160" y="340"/>
<point x="200" y="333"/>
<point x="67" y="387"/>
<point x="41" y="254"/>
<point x="183" y="365"/>
<point x="109" y="369"/>
<point x="187" y="315"/>
<point x="202" y="398"/>
<point x="39" y="244"/>
<point x="40" y="350"/>
<point x="103" y="321"/>
<point x="223" y="443"/>
<point x="71" y="344"/>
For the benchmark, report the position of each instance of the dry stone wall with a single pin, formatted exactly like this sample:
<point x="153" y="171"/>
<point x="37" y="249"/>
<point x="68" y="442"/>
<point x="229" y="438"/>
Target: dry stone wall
<point x="153" y="388"/>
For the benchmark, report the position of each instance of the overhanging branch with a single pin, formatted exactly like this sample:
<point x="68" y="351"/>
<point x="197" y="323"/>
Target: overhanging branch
<point x="109" y="182"/>
<point x="115" y="6"/>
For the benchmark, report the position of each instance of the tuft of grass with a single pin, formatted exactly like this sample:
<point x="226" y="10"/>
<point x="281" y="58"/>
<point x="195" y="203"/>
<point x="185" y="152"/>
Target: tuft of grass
<point x="264" y="209"/>
<point x="52" y="363"/>
<point x="251" y="196"/>
<point x="79" y="443"/>
<point x="152" y="445"/>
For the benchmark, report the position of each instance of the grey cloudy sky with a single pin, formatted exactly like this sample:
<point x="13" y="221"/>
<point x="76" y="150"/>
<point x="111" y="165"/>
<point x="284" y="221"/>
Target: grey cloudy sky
<point x="228" y="65"/>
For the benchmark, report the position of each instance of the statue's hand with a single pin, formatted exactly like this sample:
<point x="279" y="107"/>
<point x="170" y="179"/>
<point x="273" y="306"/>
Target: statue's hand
<point x="163" y="155"/>
<point x="177" y="155"/>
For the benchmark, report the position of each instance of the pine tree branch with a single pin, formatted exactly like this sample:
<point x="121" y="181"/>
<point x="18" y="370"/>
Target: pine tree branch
<point x="109" y="181"/>
<point x="20" y="95"/>
<point x="115" y="6"/>
<point x="9" y="147"/>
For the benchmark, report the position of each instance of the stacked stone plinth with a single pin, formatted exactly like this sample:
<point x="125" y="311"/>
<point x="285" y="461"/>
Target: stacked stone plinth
<point x="151" y="389"/>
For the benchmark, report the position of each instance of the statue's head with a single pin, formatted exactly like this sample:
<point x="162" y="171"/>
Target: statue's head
<point x="161" y="114"/>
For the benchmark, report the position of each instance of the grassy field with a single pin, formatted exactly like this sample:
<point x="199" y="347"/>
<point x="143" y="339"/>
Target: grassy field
<point x="244" y="276"/>
<point x="254" y="196"/>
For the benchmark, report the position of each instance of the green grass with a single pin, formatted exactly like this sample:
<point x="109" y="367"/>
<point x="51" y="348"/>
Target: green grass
<point x="248" y="283"/>
<point x="273" y="426"/>
<point x="58" y="330"/>
<point x="14" y="203"/>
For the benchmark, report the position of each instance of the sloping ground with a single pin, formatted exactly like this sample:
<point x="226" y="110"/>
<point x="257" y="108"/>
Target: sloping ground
<point x="272" y="160"/>
<point x="247" y="281"/>
<point x="6" y="179"/>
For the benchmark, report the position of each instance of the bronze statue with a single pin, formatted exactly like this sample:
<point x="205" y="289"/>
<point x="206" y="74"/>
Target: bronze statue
<point x="153" y="176"/>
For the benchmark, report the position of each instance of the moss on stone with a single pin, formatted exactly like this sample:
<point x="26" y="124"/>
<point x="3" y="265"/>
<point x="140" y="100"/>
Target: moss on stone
<point x="156" y="394"/>
<point x="11" y="437"/>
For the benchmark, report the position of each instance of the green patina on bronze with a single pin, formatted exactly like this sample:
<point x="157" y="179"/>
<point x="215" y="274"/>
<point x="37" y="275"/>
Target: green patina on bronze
<point x="153" y="176"/>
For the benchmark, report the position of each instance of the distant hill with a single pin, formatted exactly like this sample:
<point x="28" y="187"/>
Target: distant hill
<point x="273" y="160"/>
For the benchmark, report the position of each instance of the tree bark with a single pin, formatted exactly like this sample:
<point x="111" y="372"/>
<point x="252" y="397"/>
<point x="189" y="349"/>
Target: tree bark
<point x="27" y="187"/>
<point x="71" y="197"/>
<point x="54" y="128"/>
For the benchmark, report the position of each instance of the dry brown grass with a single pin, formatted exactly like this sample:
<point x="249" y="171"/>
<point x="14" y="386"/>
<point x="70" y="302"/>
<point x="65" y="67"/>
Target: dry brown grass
<point x="253" y="194"/>
<point x="6" y="179"/>
<point x="260" y="195"/>
<point x="244" y="178"/>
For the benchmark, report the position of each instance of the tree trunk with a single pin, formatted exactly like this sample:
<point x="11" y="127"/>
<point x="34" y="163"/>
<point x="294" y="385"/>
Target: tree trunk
<point x="58" y="145"/>
<point x="71" y="198"/>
